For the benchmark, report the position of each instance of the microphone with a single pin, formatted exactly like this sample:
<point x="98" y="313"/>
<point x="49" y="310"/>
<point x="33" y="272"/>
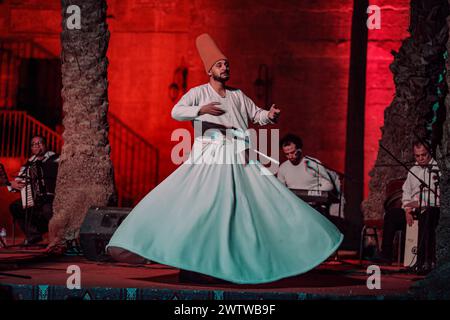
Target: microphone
<point x="324" y="174"/>
<point x="311" y="167"/>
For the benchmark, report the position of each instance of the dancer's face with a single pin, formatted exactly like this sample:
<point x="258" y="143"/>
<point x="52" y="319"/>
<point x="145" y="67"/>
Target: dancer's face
<point x="220" y="71"/>
<point x="292" y="153"/>
<point x="422" y="155"/>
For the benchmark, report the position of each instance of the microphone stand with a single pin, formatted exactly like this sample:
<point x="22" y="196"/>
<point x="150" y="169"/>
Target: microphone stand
<point x="436" y="185"/>
<point x="423" y="184"/>
<point x="340" y="175"/>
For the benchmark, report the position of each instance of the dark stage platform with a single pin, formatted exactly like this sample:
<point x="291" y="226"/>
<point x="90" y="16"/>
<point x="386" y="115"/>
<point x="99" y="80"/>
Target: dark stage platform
<point x="34" y="275"/>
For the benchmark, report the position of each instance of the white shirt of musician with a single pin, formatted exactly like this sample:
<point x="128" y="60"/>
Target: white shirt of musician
<point x="307" y="175"/>
<point x="47" y="155"/>
<point x="411" y="187"/>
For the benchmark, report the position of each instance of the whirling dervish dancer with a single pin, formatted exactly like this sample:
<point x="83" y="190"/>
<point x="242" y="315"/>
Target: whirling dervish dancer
<point x="218" y="216"/>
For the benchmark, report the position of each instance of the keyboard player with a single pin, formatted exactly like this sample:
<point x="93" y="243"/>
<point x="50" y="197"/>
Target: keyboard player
<point x="305" y="176"/>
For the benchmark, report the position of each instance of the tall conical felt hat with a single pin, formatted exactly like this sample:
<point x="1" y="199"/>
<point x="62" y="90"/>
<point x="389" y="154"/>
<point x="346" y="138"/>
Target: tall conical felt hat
<point x="208" y="50"/>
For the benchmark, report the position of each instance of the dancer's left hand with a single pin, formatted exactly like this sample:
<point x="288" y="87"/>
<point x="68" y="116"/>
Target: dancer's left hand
<point x="274" y="113"/>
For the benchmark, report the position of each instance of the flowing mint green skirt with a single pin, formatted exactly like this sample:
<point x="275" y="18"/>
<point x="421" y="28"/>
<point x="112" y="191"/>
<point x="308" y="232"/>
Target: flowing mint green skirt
<point x="227" y="220"/>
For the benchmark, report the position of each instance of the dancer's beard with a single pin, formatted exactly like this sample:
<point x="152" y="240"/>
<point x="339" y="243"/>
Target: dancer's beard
<point x="224" y="77"/>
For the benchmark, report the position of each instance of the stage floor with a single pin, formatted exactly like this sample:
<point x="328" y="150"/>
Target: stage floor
<point x="33" y="275"/>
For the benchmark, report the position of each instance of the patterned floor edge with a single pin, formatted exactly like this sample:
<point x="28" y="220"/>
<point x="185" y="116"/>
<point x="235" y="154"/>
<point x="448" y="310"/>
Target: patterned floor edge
<point x="54" y="292"/>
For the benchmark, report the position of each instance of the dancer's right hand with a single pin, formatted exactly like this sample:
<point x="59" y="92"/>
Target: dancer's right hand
<point x="212" y="109"/>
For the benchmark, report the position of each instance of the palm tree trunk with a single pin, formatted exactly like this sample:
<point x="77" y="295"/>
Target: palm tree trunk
<point x="85" y="176"/>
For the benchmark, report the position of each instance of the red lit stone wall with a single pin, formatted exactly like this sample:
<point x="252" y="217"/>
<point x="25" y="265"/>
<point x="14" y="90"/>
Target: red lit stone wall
<point x="379" y="81"/>
<point x="305" y="44"/>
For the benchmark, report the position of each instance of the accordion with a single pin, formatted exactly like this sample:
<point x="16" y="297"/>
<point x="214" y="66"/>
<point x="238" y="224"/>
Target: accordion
<point x="27" y="197"/>
<point x="34" y="190"/>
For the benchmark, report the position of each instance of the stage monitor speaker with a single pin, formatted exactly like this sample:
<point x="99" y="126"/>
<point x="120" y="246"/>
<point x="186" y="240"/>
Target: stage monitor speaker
<point x="97" y="229"/>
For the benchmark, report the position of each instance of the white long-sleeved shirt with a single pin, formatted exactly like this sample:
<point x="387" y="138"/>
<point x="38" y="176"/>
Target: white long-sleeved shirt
<point x="33" y="158"/>
<point x="238" y="107"/>
<point x="411" y="187"/>
<point x="307" y="175"/>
